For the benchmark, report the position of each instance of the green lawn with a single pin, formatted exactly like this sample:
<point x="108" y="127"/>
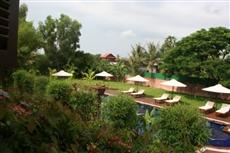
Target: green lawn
<point x="194" y="101"/>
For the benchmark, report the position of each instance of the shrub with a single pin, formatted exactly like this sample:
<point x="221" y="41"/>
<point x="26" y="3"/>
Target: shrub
<point x="40" y="84"/>
<point x="59" y="90"/>
<point x="85" y="103"/>
<point x="181" y="129"/>
<point x="120" y="111"/>
<point x="23" y="81"/>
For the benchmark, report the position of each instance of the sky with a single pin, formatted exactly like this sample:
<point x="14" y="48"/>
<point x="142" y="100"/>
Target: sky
<point x="114" y="26"/>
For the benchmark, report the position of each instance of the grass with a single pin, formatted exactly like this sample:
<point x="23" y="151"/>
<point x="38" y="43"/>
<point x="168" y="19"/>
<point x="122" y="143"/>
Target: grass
<point x="193" y="101"/>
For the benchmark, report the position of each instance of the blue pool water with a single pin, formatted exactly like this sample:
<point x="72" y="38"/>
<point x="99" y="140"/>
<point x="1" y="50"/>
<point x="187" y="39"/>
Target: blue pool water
<point x="218" y="138"/>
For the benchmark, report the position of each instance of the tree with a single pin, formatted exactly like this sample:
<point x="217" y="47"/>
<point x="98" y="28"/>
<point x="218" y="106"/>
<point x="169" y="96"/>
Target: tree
<point x="61" y="39"/>
<point x="169" y="43"/>
<point x="29" y="40"/>
<point x="119" y="70"/>
<point x="136" y="59"/>
<point x="151" y="56"/>
<point x="181" y="129"/>
<point x="202" y="54"/>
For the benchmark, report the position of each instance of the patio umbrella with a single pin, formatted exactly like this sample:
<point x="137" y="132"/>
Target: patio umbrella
<point x="138" y="79"/>
<point x="173" y="83"/>
<point x="104" y="74"/>
<point x="217" y="89"/>
<point x="62" y="74"/>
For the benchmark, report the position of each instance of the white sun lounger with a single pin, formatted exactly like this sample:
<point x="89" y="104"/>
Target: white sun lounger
<point x="128" y="91"/>
<point x="175" y="99"/>
<point x="225" y="108"/>
<point x="139" y="93"/>
<point x="209" y="106"/>
<point x="163" y="97"/>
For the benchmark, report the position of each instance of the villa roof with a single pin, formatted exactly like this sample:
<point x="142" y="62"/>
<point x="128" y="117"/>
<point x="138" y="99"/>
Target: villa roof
<point x="106" y="55"/>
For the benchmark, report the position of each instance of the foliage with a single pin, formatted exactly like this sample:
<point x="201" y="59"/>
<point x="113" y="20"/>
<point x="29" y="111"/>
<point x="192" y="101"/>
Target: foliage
<point x="202" y="54"/>
<point x="120" y="111"/>
<point x="85" y="103"/>
<point x="27" y="47"/>
<point x="142" y="58"/>
<point x="53" y="129"/>
<point x="59" y="90"/>
<point x="40" y="84"/>
<point x="119" y="70"/>
<point x="41" y="63"/>
<point x="70" y="68"/>
<point x="169" y="43"/>
<point x="61" y="38"/>
<point x="136" y="59"/>
<point x="181" y="124"/>
<point x="151" y="57"/>
<point x="90" y="75"/>
<point x="23" y="81"/>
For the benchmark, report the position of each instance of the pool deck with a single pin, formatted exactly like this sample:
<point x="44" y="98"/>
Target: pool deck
<point x="211" y="117"/>
<point x="151" y="102"/>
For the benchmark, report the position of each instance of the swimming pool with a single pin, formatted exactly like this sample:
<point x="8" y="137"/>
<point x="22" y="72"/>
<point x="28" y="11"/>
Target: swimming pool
<point x="218" y="137"/>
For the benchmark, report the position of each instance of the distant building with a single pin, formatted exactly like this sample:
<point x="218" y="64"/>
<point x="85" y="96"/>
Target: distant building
<point x="8" y="33"/>
<point x="108" y="57"/>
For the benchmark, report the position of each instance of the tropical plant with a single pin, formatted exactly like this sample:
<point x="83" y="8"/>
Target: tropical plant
<point x="59" y="90"/>
<point x="119" y="70"/>
<point x="136" y="59"/>
<point x="85" y="103"/>
<point x="89" y="75"/>
<point x="181" y="129"/>
<point x="120" y="111"/>
<point x="23" y="81"/>
<point x="40" y="84"/>
<point x="151" y="57"/>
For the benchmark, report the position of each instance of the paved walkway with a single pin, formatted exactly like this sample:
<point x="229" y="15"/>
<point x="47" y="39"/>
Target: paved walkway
<point x="211" y="116"/>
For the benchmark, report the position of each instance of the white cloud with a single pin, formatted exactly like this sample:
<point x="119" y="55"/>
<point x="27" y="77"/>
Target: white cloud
<point x="128" y="33"/>
<point x="103" y="23"/>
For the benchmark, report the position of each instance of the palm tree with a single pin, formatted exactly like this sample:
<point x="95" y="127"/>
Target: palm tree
<point x="151" y="56"/>
<point x="136" y="59"/>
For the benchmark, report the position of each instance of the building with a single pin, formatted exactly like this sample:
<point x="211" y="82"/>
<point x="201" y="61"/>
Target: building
<point x="8" y="33"/>
<point x="108" y="57"/>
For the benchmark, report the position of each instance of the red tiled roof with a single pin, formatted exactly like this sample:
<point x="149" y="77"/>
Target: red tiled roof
<point x="106" y="55"/>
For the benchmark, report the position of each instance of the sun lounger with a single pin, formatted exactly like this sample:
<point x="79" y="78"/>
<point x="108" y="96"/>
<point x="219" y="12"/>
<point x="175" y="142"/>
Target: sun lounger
<point x="131" y="90"/>
<point x="208" y="107"/>
<point x="162" y="98"/>
<point x="224" y="110"/>
<point x="139" y="93"/>
<point x="175" y="99"/>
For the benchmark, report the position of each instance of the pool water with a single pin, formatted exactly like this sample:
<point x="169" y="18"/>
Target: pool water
<point x="218" y="138"/>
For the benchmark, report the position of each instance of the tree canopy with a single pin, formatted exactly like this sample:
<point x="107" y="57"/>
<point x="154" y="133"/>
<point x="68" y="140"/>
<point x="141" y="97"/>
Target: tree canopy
<point x="61" y="39"/>
<point x="203" y="54"/>
<point x="29" y="39"/>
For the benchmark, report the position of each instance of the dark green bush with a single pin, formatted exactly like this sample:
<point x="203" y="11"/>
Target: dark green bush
<point x="85" y="103"/>
<point x="120" y="111"/>
<point x="40" y="84"/>
<point x="23" y="81"/>
<point x="181" y="129"/>
<point x="59" y="90"/>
